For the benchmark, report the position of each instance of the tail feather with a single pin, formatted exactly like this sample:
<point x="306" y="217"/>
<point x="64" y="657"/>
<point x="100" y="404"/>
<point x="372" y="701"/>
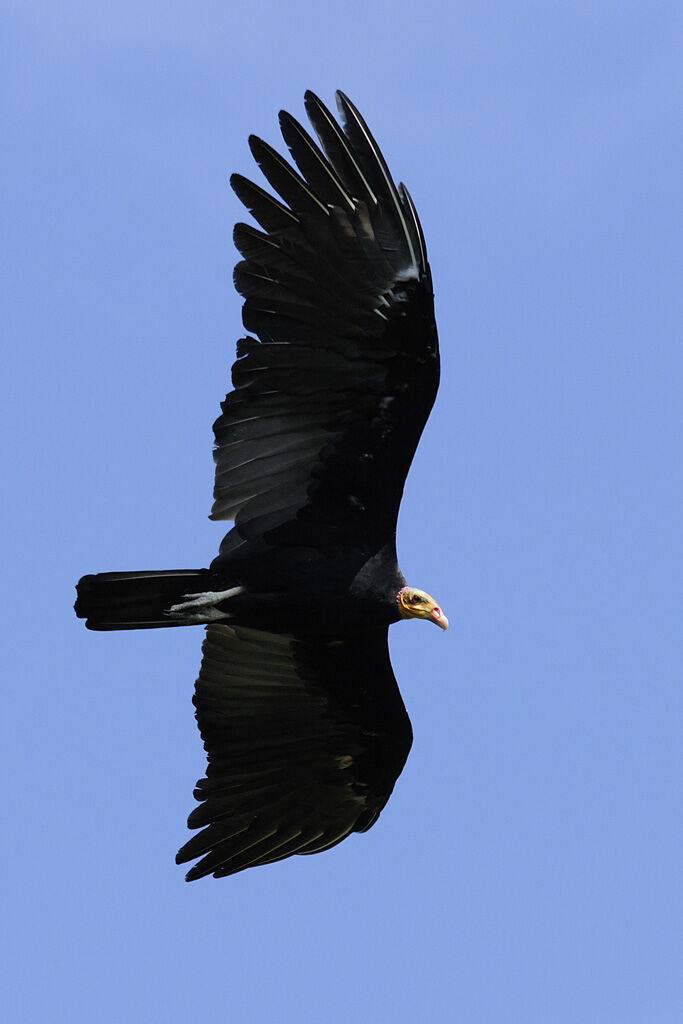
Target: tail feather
<point x="136" y="600"/>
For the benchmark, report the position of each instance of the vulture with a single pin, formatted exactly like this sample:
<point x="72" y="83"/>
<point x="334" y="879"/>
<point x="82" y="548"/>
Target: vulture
<point x="296" y="701"/>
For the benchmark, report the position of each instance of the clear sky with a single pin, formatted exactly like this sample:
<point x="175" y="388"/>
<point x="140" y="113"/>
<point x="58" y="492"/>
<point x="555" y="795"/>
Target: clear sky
<point x="527" y="869"/>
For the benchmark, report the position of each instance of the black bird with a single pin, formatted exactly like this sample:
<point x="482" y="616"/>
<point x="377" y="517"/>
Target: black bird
<point x="296" y="700"/>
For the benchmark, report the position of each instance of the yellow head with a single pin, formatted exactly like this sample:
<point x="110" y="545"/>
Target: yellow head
<point x="415" y="604"/>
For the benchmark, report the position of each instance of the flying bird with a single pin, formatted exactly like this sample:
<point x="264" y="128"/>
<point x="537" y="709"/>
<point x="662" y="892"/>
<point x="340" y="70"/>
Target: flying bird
<point x="301" y="716"/>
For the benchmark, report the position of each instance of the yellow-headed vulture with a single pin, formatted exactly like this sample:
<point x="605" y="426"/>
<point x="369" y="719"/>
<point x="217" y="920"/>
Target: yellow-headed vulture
<point x="296" y="700"/>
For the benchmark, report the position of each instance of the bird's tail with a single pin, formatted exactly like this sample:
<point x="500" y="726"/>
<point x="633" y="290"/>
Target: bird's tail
<point x="137" y="600"/>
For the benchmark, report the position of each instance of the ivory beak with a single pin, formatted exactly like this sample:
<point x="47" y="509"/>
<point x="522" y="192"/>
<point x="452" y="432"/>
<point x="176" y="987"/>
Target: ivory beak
<point x="437" y="616"/>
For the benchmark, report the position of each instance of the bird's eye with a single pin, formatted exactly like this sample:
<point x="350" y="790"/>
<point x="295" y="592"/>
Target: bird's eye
<point x="417" y="599"/>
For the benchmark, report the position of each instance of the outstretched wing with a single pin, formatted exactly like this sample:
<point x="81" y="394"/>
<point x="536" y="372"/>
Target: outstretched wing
<point x="305" y="740"/>
<point x="335" y="382"/>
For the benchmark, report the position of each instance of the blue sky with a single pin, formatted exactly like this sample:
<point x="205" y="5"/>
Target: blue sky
<point x="527" y="868"/>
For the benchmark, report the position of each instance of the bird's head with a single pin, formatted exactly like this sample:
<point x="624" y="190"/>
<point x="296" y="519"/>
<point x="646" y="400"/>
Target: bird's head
<point x="415" y="604"/>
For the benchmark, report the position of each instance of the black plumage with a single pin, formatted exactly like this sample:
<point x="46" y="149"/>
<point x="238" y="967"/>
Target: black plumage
<point x="296" y="700"/>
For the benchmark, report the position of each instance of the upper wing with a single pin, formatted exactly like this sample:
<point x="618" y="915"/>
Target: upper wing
<point x="305" y="740"/>
<point x="331" y="400"/>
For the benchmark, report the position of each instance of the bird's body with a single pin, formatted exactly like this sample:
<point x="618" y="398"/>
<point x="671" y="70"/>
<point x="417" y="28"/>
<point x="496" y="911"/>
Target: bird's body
<point x="296" y="700"/>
